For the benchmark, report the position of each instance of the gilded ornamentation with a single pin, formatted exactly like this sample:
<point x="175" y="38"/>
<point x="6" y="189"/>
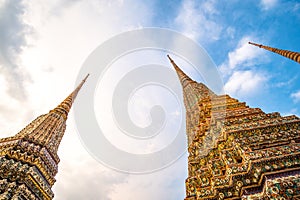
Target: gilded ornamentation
<point x="235" y="151"/>
<point x="29" y="160"/>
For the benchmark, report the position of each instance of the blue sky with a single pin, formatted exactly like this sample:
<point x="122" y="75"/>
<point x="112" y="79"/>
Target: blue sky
<point x="43" y="45"/>
<point x="273" y="23"/>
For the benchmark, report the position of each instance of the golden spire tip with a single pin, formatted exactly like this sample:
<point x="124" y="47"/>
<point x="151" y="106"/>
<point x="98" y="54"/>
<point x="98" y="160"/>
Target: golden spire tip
<point x="295" y="56"/>
<point x="252" y="43"/>
<point x="86" y="77"/>
<point x="171" y="60"/>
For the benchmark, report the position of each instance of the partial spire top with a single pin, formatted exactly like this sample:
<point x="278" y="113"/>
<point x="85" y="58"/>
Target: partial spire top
<point x="184" y="79"/>
<point x="178" y="70"/>
<point x="64" y="107"/>
<point x="192" y="91"/>
<point x="295" y="56"/>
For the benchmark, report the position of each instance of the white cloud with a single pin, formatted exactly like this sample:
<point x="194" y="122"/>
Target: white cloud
<point x="239" y="69"/>
<point x="63" y="35"/>
<point x="243" y="55"/>
<point x="12" y="37"/>
<point x="293" y="111"/>
<point x="80" y="176"/>
<point x="296" y="96"/>
<point x="244" y="83"/>
<point x="195" y="20"/>
<point x="159" y="185"/>
<point x="268" y="4"/>
<point x="230" y="31"/>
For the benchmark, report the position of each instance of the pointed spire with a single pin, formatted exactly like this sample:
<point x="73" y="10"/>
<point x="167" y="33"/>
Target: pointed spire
<point x="192" y="91"/>
<point x="184" y="79"/>
<point x="64" y="107"/>
<point x="295" y="56"/>
<point x="36" y="146"/>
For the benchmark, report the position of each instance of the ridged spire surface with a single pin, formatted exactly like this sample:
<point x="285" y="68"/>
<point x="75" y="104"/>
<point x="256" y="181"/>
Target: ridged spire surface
<point x="238" y="152"/>
<point x="197" y="98"/>
<point x="64" y="107"/>
<point x="192" y="90"/>
<point x="29" y="160"/>
<point x="295" y="56"/>
<point x="184" y="79"/>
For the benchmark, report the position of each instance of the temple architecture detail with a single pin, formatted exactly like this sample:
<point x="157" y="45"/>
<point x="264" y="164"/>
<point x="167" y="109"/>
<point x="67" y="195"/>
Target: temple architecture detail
<point x="29" y="160"/>
<point x="295" y="56"/>
<point x="238" y="152"/>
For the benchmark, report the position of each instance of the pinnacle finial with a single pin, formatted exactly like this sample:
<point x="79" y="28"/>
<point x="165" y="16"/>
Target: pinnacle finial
<point x="174" y="64"/>
<point x="64" y="107"/>
<point x="86" y="77"/>
<point x="171" y="60"/>
<point x="295" y="56"/>
<point x="182" y="76"/>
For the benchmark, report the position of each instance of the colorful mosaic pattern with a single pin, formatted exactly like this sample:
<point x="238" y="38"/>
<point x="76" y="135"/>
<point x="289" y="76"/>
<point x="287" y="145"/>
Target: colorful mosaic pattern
<point x="234" y="149"/>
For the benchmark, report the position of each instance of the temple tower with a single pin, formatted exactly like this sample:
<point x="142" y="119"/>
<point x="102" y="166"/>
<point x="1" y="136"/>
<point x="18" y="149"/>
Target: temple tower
<point x="238" y="152"/>
<point x="295" y="56"/>
<point x="29" y="160"/>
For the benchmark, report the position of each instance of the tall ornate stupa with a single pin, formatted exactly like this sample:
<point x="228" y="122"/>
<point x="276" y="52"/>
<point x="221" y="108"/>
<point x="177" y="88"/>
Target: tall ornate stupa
<point x="238" y="152"/>
<point x="295" y="56"/>
<point x="29" y="160"/>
